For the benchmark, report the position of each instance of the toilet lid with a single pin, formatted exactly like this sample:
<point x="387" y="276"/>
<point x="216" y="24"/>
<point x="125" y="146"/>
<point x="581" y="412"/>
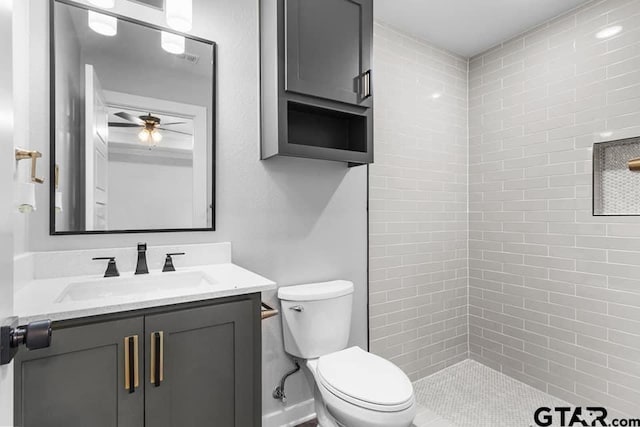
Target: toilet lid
<point x="365" y="379"/>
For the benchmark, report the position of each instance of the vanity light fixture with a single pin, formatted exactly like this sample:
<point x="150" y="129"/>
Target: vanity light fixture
<point x="609" y="32"/>
<point x="179" y="14"/>
<point x="103" y="24"/>
<point x="172" y="43"/>
<point x="104" y="4"/>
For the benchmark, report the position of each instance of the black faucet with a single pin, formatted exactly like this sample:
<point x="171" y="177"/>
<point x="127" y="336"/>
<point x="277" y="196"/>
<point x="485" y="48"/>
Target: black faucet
<point x="168" y="262"/>
<point x="112" y="269"/>
<point x="141" y="267"/>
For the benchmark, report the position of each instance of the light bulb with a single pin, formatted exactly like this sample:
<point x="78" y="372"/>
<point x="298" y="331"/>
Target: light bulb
<point x="144" y="135"/>
<point x="103" y="24"/>
<point x="172" y="43"/>
<point x="104" y="4"/>
<point x="179" y="14"/>
<point x="156" y="136"/>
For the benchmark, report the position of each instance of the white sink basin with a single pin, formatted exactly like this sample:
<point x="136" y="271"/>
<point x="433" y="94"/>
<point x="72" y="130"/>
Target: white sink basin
<point x="154" y="284"/>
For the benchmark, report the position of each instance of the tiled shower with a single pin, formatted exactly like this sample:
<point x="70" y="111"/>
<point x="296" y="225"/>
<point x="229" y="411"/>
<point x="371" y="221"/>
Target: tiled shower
<point x="483" y="243"/>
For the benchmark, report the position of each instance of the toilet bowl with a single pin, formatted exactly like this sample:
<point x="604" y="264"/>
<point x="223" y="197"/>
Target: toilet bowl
<point x="360" y="389"/>
<point x="353" y="388"/>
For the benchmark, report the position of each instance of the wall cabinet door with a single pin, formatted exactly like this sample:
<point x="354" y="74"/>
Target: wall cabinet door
<point x="328" y="49"/>
<point x="200" y="367"/>
<point x="80" y="380"/>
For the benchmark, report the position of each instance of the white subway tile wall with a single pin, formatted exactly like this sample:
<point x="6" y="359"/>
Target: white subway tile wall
<point x="554" y="293"/>
<point x="418" y="205"/>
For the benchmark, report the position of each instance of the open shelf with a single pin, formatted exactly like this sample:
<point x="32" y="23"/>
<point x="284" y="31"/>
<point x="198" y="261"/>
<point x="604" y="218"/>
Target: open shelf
<point x="319" y="127"/>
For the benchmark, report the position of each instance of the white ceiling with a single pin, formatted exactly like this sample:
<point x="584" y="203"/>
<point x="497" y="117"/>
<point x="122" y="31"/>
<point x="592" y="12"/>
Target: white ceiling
<point x="468" y="27"/>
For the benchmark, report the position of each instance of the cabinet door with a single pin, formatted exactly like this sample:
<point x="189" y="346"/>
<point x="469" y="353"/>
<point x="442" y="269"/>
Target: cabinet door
<point x="328" y="48"/>
<point x="80" y="380"/>
<point x="204" y="359"/>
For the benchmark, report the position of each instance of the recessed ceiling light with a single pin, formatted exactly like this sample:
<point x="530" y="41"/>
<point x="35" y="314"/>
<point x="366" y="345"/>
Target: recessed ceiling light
<point x="609" y="32"/>
<point x="436" y="95"/>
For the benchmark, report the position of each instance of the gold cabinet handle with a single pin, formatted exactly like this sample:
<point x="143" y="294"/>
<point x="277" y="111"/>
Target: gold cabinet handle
<point x="157" y="358"/>
<point x="131" y="375"/>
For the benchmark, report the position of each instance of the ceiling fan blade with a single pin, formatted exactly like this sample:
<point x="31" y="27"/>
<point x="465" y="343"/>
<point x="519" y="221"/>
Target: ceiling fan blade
<point x="123" y="125"/>
<point x="175" y="131"/>
<point x="173" y="123"/>
<point x="129" y="117"/>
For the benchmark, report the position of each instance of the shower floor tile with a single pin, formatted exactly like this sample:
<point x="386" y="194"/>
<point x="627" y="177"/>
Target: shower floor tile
<point x="470" y="394"/>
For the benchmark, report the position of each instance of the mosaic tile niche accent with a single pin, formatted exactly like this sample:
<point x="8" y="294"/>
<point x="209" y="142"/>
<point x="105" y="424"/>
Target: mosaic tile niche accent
<point x="616" y="189"/>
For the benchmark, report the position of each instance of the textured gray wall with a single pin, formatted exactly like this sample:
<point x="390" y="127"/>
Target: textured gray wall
<point x="418" y="205"/>
<point x="291" y="220"/>
<point x="554" y="292"/>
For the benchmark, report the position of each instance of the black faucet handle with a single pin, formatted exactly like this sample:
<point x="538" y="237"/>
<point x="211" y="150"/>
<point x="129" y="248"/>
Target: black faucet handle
<point x="168" y="262"/>
<point x="112" y="268"/>
<point x="141" y="266"/>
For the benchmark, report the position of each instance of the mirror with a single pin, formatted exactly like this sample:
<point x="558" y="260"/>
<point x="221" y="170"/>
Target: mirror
<point x="132" y="125"/>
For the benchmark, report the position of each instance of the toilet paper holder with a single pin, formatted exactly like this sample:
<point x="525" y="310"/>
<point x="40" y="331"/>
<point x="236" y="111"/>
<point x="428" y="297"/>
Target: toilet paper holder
<point x="22" y="154"/>
<point x="34" y="336"/>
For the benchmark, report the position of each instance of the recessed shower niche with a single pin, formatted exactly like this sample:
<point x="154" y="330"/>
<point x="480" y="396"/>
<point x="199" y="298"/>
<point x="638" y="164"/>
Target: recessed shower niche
<point x="616" y="177"/>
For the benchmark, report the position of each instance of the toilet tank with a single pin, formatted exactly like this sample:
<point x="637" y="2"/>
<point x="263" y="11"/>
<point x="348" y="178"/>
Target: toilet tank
<point x="316" y="318"/>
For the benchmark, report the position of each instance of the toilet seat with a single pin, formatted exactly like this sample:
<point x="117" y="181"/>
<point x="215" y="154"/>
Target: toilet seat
<point x="365" y="380"/>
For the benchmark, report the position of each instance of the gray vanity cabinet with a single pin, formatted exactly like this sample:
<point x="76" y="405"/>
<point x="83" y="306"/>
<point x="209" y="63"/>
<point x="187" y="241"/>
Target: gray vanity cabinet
<point x="206" y="367"/>
<point x="328" y="49"/>
<point x="198" y="365"/>
<point x="79" y="380"/>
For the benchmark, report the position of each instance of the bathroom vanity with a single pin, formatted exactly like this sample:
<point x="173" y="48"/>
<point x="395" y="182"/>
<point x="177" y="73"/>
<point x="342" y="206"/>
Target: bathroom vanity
<point x="181" y="365"/>
<point x="135" y="351"/>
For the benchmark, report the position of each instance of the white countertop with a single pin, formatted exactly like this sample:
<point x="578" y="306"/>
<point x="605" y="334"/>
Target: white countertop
<point x="38" y="299"/>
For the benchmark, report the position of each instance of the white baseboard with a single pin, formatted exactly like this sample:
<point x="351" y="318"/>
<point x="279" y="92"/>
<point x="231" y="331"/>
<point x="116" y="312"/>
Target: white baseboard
<point x="290" y="416"/>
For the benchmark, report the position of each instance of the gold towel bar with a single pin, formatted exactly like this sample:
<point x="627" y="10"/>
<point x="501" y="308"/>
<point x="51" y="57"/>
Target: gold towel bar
<point x="22" y="154"/>
<point x="267" y="311"/>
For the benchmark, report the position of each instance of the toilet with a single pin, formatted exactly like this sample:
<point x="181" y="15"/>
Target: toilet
<point x="353" y="388"/>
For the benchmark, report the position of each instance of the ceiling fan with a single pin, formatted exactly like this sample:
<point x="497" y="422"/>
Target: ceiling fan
<point x="150" y="126"/>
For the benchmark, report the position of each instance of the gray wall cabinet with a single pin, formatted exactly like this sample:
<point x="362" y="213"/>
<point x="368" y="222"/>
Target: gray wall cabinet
<point x="197" y="365"/>
<point x="316" y="79"/>
<point x="328" y="47"/>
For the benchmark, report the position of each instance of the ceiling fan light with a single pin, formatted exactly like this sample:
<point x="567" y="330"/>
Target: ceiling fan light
<point x="156" y="136"/>
<point x="172" y="43"/>
<point x="103" y="24"/>
<point x="143" y="136"/>
<point x="104" y="4"/>
<point x="179" y="14"/>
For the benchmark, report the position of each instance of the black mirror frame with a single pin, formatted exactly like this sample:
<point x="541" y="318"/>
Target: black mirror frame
<point x="52" y="124"/>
